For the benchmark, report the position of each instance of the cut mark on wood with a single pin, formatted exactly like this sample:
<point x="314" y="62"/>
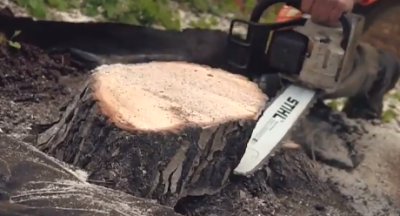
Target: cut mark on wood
<point x="168" y="96"/>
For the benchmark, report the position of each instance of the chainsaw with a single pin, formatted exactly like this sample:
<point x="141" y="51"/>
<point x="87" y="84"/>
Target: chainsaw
<point x="311" y="59"/>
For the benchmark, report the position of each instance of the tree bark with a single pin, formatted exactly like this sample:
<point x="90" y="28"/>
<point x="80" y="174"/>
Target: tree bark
<point x="157" y="130"/>
<point x="34" y="184"/>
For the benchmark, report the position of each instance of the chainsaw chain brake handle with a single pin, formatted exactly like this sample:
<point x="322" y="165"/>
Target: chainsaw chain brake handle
<point x="277" y="47"/>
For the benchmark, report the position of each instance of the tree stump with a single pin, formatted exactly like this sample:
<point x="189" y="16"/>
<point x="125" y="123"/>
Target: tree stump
<point x="157" y="130"/>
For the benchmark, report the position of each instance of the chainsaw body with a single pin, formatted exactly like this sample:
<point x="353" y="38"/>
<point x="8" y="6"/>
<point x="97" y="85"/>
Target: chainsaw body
<point x="303" y="52"/>
<point x="329" y="56"/>
<point x="311" y="58"/>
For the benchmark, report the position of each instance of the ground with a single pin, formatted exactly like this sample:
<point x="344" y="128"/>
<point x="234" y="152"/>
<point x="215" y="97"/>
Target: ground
<point x="36" y="85"/>
<point x="321" y="178"/>
<point x="33" y="86"/>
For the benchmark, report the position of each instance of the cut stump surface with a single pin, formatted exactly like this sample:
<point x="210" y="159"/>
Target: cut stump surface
<point x="158" y="130"/>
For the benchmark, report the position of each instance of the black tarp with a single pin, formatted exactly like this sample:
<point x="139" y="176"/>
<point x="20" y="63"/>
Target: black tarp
<point x="120" y="43"/>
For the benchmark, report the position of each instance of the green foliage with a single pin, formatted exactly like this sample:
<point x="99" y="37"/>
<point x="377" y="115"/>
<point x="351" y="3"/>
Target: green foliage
<point x="215" y="7"/>
<point x="204" y="22"/>
<point x="334" y="104"/>
<point x="198" y="5"/>
<point x="10" y="42"/>
<point x="395" y="95"/>
<point x="38" y="8"/>
<point x="13" y="43"/>
<point x="388" y="115"/>
<point x="390" y="111"/>
<point x="144" y="12"/>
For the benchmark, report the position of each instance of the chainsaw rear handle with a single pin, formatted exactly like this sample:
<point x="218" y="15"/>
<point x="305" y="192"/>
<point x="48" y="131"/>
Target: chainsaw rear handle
<point x="263" y="5"/>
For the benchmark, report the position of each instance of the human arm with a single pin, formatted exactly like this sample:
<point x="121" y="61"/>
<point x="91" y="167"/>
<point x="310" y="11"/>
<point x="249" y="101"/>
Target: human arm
<point x="327" y="12"/>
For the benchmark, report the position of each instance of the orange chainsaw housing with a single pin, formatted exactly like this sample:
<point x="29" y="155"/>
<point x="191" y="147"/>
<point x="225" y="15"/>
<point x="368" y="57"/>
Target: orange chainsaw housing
<point x="287" y="13"/>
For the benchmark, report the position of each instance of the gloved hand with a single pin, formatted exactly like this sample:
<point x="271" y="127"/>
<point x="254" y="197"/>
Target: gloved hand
<point x="327" y="12"/>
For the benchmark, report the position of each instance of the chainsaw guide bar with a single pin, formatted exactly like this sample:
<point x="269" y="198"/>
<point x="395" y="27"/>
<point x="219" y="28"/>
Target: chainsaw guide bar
<point x="280" y="117"/>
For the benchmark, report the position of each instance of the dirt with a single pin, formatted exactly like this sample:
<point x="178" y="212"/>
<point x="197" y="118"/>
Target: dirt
<point x="361" y="159"/>
<point x="351" y="174"/>
<point x="33" y="85"/>
<point x="344" y="167"/>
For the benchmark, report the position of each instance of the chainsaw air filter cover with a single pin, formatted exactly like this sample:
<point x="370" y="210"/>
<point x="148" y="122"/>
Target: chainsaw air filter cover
<point x="286" y="52"/>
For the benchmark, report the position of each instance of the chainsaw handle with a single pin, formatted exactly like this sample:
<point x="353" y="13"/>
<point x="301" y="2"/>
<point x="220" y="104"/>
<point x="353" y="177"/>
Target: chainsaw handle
<point x="263" y="5"/>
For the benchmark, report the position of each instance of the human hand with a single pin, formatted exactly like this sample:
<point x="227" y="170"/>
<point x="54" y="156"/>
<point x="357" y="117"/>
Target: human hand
<point x="326" y="12"/>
